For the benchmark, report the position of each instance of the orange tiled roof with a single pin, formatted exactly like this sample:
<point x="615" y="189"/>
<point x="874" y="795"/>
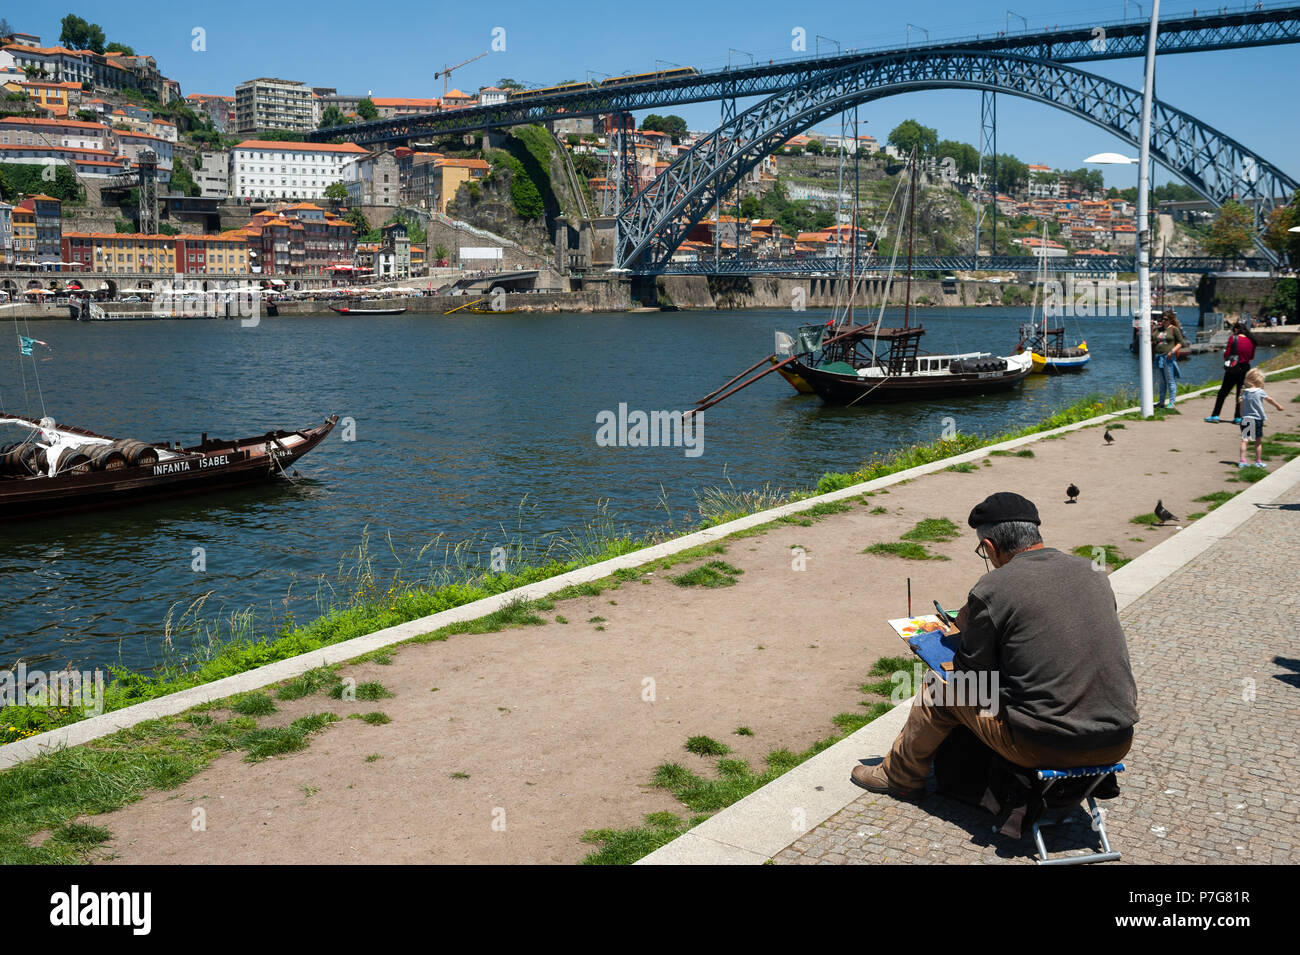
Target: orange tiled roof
<point x="70" y="123"/>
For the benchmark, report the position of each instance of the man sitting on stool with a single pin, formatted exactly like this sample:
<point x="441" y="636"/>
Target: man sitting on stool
<point x="1041" y="628"/>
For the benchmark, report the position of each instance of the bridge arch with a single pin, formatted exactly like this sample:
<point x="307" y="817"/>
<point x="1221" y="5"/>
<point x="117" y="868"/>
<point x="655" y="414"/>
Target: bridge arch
<point x="657" y="219"/>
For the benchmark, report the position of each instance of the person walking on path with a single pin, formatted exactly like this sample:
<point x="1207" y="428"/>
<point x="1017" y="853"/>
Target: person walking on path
<point x="1170" y="341"/>
<point x="1237" y="356"/>
<point x="1252" y="416"/>
<point x="1056" y="673"/>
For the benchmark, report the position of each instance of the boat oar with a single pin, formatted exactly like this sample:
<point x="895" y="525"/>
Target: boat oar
<point x="466" y="305"/>
<point x="736" y="378"/>
<point x="852" y="332"/>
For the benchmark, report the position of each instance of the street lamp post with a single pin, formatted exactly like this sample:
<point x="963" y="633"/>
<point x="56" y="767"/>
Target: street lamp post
<point x="1145" y="385"/>
<point x="1144" y="233"/>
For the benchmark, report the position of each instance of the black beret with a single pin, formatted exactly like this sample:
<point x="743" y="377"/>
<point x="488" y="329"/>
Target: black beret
<point x="1001" y="507"/>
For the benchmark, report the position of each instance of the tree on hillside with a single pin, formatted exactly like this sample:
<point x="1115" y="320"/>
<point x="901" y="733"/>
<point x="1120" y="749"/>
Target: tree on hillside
<point x="506" y="83"/>
<point x="332" y="116"/>
<point x="1276" y="235"/>
<point x="357" y="219"/>
<point x="909" y="135"/>
<point x="80" y="35"/>
<point x="673" y="125"/>
<point x="366" y="109"/>
<point x="1012" y="173"/>
<point x="1231" y="234"/>
<point x="336" y="192"/>
<point x="965" y="155"/>
<point x="122" y="48"/>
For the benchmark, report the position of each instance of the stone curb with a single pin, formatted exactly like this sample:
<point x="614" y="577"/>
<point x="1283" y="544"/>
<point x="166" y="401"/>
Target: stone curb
<point x="759" y="826"/>
<point x="108" y="723"/>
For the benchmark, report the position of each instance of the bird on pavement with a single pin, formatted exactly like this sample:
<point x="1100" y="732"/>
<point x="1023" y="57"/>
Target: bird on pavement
<point x="1110" y="438"/>
<point x="1073" y="492"/>
<point x="1162" y="512"/>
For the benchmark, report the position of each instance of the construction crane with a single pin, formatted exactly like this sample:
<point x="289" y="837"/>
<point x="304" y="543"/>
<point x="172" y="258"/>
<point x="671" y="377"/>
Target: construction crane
<point x="448" y="70"/>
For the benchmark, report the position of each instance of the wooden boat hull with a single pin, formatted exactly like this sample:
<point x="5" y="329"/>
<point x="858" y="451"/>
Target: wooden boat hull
<point x="841" y="389"/>
<point x="795" y="380"/>
<point x="210" y="466"/>
<point x="344" y="310"/>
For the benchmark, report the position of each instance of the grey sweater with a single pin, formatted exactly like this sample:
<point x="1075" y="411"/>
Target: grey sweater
<point x="1046" y="622"/>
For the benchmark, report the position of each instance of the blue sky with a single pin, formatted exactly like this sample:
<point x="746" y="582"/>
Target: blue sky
<point x="395" y="48"/>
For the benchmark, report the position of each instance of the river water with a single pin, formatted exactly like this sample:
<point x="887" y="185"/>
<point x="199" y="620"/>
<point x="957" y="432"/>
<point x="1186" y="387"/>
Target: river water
<point x="472" y="428"/>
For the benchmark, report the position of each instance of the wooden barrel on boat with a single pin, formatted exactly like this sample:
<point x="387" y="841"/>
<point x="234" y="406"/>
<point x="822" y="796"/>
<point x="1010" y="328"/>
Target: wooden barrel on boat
<point x="137" y="453"/>
<point x="102" y="457"/>
<point x="73" y="461"/>
<point x="22" y="458"/>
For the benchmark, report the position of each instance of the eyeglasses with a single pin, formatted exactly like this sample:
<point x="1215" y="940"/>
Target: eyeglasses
<point x="982" y="552"/>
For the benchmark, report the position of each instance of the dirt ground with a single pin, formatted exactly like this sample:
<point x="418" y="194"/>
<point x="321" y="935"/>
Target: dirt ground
<point x="550" y="723"/>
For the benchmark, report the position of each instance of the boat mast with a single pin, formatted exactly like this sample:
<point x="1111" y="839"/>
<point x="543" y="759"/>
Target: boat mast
<point x="911" y="241"/>
<point x="1042" y="283"/>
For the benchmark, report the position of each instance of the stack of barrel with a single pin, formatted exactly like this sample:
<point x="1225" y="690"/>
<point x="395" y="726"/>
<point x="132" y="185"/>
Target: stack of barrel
<point x="25" y="459"/>
<point x="22" y="458"/>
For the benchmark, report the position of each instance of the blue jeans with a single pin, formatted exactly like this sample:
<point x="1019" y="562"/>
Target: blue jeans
<point x="1165" y="371"/>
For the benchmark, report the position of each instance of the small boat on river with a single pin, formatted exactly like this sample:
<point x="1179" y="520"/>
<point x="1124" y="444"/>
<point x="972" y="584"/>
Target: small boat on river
<point x="57" y="469"/>
<point x="845" y="363"/>
<point x="353" y="310"/>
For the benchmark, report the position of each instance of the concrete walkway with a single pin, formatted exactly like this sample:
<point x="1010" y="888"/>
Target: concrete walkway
<point x="1213" y="774"/>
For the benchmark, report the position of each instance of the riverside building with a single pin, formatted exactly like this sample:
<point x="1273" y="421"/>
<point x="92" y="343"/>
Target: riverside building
<point x="286" y="170"/>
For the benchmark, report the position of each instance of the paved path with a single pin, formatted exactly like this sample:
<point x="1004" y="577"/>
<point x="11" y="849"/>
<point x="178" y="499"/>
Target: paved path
<point x="1214" y="773"/>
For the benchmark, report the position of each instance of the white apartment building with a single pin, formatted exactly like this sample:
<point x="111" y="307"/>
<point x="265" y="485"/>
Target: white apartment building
<point x="261" y="169"/>
<point x="268" y="103"/>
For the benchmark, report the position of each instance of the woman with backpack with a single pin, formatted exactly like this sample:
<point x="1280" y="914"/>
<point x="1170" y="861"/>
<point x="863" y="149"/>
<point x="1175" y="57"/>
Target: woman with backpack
<point x="1237" y="356"/>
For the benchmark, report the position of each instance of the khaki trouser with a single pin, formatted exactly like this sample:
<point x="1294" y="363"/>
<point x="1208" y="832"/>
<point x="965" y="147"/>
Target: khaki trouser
<point x="929" y="723"/>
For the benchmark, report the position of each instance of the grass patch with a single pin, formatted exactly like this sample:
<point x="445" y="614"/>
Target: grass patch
<point x="374" y="719"/>
<point x="908" y="550"/>
<point x="1215" y="499"/>
<point x="313" y="681"/>
<point x="938" y="529"/>
<point x="743" y="731"/>
<point x="716" y="573"/>
<point x="880" y="510"/>
<point x="706" y="746"/>
<point x="964" y="467"/>
<point x="253" y="704"/>
<point x="1147" y="520"/>
<point x="267" y="742"/>
<point x="626" y="846"/>
<point x="1108" y="552"/>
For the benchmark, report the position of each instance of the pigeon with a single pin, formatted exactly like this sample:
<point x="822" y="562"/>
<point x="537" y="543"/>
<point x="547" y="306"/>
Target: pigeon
<point x="1072" y="491"/>
<point x="1110" y="438"/>
<point x="1163" y="513"/>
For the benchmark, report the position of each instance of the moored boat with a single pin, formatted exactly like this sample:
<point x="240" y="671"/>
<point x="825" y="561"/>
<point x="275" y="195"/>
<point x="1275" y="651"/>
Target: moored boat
<point x="1046" y="346"/>
<point x="349" y="310"/>
<point x="57" y="469"/>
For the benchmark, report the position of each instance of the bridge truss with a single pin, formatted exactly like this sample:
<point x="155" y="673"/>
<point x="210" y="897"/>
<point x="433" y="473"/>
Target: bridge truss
<point x="1215" y="165"/>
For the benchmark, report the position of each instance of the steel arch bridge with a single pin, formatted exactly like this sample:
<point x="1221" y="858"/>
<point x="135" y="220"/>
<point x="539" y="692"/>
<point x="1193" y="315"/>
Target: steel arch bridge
<point x="656" y="220"/>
